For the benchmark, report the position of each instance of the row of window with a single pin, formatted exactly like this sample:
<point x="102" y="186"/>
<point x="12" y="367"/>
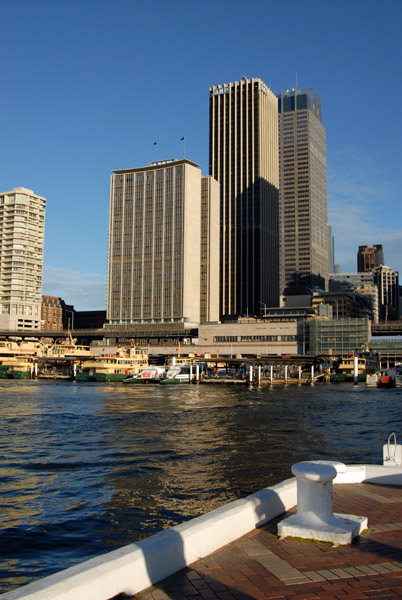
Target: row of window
<point x="255" y="338"/>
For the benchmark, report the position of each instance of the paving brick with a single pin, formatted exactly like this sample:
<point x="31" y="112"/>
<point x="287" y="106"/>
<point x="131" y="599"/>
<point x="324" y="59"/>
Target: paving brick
<point x="260" y="567"/>
<point x="340" y="573"/>
<point x="313" y="576"/>
<point x="159" y="594"/>
<point x="225" y="595"/>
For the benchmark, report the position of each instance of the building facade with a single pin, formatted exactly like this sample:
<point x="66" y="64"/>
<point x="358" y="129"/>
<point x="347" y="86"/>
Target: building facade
<point x="338" y="336"/>
<point x="361" y="283"/>
<point x="52" y="313"/>
<point x="369" y="257"/>
<point x="331" y="251"/>
<point x="89" y="319"/>
<point x="254" y="337"/>
<point x="22" y="236"/>
<point x="387" y="281"/>
<point x="303" y="191"/>
<point x="154" y="260"/>
<point x="209" y="271"/>
<point x="243" y="158"/>
<point x="345" y="304"/>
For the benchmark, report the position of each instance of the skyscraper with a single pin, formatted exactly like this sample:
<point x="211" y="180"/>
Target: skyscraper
<point x="369" y="257"/>
<point x="22" y="236"/>
<point x="243" y="157"/>
<point x="303" y="190"/>
<point x="331" y="251"/>
<point x="155" y="259"/>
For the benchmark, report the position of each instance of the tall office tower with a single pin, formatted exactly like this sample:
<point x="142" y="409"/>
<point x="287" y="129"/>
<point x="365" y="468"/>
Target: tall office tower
<point x="369" y="257"/>
<point x="243" y="157"/>
<point x="154" y="247"/>
<point x="331" y="251"/>
<point x="303" y="190"/>
<point x="22" y="236"/>
<point x="209" y="250"/>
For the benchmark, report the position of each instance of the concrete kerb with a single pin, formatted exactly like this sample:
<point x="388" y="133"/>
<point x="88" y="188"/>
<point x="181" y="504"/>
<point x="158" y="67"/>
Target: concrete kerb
<point x="135" y="567"/>
<point x="383" y="475"/>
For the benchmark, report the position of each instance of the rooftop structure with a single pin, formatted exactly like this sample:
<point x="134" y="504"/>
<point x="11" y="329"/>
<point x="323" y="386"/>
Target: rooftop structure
<point x="361" y="283"/>
<point x="344" y="304"/>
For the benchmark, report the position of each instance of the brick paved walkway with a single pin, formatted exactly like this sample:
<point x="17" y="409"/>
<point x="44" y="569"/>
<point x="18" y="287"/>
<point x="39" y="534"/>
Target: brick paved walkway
<point x="259" y="565"/>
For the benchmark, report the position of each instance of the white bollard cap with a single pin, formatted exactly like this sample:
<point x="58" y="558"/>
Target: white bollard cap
<point x="314" y="471"/>
<point x="339" y="466"/>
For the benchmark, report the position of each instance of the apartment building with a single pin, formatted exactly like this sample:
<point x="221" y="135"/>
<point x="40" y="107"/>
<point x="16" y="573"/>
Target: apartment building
<point x="22" y="234"/>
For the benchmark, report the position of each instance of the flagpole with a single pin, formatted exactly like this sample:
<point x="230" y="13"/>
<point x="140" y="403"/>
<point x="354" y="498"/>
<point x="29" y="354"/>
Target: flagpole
<point x="183" y="139"/>
<point x="156" y="148"/>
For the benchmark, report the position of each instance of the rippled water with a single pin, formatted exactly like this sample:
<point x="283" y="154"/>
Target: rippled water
<point x="85" y="468"/>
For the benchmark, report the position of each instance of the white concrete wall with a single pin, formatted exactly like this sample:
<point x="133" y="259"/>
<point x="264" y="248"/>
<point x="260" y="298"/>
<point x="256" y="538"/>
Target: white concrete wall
<point x="371" y="474"/>
<point x="191" y="244"/>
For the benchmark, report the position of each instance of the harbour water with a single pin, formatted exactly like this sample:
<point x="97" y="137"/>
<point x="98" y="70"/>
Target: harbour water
<point x="86" y="468"/>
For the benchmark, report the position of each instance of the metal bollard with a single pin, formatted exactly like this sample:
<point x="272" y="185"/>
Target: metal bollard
<point x="314" y="518"/>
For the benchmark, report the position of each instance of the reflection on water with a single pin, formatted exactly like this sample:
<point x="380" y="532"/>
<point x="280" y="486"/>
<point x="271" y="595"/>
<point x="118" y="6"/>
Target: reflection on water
<point x="85" y="468"/>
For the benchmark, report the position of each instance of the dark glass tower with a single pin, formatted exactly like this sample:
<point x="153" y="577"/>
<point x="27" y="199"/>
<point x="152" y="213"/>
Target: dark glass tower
<point x="243" y="157"/>
<point x="369" y="257"/>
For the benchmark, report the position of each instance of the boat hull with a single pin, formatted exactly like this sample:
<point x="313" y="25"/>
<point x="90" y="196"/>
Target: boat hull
<point x="386" y="381"/>
<point x="142" y="380"/>
<point x="107" y="377"/>
<point x="18" y="374"/>
<point x="348" y="378"/>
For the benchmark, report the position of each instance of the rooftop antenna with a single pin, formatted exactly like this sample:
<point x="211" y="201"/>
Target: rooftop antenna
<point x="183" y="139"/>
<point x="296" y="81"/>
<point x="156" y="150"/>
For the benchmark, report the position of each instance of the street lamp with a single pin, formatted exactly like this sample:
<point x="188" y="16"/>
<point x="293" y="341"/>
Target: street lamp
<point x="337" y="311"/>
<point x="68" y="310"/>
<point x="265" y="307"/>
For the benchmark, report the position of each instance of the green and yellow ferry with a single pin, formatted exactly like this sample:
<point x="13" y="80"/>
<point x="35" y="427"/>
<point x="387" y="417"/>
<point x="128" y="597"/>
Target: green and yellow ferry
<point x="366" y="363"/>
<point x="20" y="369"/>
<point x="113" y="367"/>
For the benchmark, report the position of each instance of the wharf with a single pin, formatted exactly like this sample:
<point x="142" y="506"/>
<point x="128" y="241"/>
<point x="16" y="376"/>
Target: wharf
<point x="231" y="381"/>
<point x="233" y="552"/>
<point x="260" y="566"/>
<point x="222" y="380"/>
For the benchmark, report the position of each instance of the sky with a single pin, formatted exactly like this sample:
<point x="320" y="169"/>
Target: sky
<point x="88" y="86"/>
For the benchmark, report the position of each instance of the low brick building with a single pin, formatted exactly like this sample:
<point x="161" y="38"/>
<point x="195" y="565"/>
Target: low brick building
<point x="52" y="313"/>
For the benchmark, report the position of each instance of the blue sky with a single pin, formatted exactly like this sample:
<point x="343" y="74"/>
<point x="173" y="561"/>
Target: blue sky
<point x="88" y="86"/>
